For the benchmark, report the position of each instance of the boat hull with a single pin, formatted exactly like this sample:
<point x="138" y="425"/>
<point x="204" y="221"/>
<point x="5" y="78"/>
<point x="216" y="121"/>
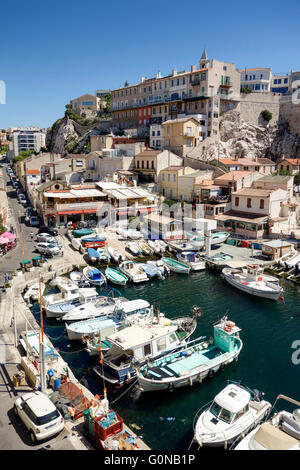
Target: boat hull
<point x="253" y="291"/>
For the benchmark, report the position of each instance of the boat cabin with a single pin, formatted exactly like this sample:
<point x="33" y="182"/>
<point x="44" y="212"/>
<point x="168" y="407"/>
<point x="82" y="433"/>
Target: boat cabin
<point x="86" y="294"/>
<point x="254" y="272"/>
<point x="132" y="310"/>
<point x="189" y="257"/>
<point x="95" y="275"/>
<point x="231" y="403"/>
<point x="225" y="333"/>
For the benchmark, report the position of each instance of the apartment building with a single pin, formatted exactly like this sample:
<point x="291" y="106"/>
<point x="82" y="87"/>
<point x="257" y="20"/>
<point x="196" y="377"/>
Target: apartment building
<point x="155" y="100"/>
<point x="85" y="104"/>
<point x="149" y="163"/>
<point x="169" y="179"/>
<point x="27" y="138"/>
<point x="181" y="134"/>
<point x="289" y="165"/>
<point x="189" y="182"/>
<point x="257" y="79"/>
<point x="265" y="166"/>
<point x="156" y="136"/>
<point x="280" y="84"/>
<point x="101" y="164"/>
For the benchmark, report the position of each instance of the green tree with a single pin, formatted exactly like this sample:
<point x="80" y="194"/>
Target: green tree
<point x="266" y="115"/>
<point x="2" y="228"/>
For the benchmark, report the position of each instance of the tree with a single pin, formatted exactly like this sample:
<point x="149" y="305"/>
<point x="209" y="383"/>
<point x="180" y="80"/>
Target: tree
<point x="246" y="90"/>
<point x="2" y="228"/>
<point x="266" y="115"/>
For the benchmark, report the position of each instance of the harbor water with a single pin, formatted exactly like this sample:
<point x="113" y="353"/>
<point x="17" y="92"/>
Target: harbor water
<point x="268" y="331"/>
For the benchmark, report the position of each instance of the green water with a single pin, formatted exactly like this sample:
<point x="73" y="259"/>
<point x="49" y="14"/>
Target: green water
<point x="268" y="331"/>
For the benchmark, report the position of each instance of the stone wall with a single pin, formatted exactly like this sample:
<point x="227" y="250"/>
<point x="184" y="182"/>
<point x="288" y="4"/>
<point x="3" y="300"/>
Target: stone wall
<point x="252" y="104"/>
<point x="290" y="113"/>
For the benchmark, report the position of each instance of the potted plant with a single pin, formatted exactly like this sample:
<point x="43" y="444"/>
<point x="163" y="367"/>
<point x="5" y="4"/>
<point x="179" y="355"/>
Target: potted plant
<point x="7" y="286"/>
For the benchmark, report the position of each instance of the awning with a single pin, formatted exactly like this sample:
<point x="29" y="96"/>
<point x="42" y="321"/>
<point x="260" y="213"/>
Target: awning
<point x="69" y="212"/>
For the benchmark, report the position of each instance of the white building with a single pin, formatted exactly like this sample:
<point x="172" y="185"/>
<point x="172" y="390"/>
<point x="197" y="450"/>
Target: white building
<point x="156" y="136"/>
<point x="257" y="79"/>
<point x="29" y="138"/>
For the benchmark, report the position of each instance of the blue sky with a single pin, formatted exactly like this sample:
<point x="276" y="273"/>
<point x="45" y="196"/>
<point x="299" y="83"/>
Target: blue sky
<point x="55" y="51"/>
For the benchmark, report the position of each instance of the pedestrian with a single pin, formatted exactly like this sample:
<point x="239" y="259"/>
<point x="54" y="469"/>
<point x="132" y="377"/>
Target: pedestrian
<point x="6" y="277"/>
<point x="32" y="235"/>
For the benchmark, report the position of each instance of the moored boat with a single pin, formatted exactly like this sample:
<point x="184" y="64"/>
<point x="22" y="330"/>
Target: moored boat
<point x="93" y="255"/>
<point x="252" y="281"/>
<point x="93" y="275"/>
<point x="82" y="232"/>
<point x="176" y="266"/>
<point x="151" y="270"/>
<point x="154" y="246"/>
<point x="78" y="278"/>
<point x="58" y="309"/>
<point x="103" y="255"/>
<point x="145" y="248"/>
<point x="133" y="270"/>
<point x="115" y="255"/>
<point x="116" y="277"/>
<point x="33" y="292"/>
<point x="105" y="325"/>
<point x="191" y="259"/>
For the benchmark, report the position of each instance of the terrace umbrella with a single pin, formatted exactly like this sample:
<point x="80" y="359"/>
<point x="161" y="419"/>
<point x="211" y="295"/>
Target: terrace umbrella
<point x="10" y="236"/>
<point x="3" y="240"/>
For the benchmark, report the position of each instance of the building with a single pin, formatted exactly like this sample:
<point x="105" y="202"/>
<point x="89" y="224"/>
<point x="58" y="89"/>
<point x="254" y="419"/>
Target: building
<point x="169" y="179"/>
<point x="149" y="163"/>
<point x="280" y="84"/>
<point x="264" y="166"/>
<point x="156" y="136"/>
<point x="182" y="134"/>
<point x="236" y="179"/>
<point x="289" y="165"/>
<point x="99" y="142"/>
<point x="98" y="165"/>
<point x="286" y="183"/>
<point x="189" y="183"/>
<point x="86" y="104"/>
<point x="275" y="249"/>
<point x="256" y="79"/>
<point x="29" y="138"/>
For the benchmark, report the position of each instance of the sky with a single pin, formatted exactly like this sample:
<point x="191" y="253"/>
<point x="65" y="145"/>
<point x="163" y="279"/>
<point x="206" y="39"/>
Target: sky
<point x="55" y="51"/>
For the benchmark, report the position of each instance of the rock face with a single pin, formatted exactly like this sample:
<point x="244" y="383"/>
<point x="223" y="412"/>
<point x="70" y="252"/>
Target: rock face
<point x="238" y="139"/>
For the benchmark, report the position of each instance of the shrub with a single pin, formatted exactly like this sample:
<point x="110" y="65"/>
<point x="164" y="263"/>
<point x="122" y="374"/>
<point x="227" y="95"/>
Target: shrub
<point x="266" y="115"/>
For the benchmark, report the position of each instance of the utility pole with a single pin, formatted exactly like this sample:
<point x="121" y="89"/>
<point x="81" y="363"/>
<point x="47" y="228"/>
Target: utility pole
<point x="42" y="347"/>
<point x="22" y="249"/>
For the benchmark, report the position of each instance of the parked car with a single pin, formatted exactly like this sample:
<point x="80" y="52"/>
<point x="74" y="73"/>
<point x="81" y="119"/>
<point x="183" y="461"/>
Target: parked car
<point x="50" y="230"/>
<point x="22" y="199"/>
<point x="40" y="415"/>
<point x="45" y="237"/>
<point x="48" y="249"/>
<point x="34" y="221"/>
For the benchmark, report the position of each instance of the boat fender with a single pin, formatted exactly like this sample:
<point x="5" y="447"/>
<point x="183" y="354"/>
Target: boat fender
<point x="190" y="381"/>
<point x="211" y="373"/>
<point x="225" y="445"/>
<point x="128" y="375"/>
<point x="200" y="378"/>
<point x="171" y="387"/>
<point x="222" y="366"/>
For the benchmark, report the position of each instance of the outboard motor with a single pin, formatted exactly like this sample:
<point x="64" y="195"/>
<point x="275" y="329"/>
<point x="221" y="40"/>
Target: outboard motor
<point x="258" y="395"/>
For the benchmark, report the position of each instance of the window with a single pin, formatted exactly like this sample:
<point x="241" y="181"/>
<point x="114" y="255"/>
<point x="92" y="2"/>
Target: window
<point x="147" y="349"/>
<point x="174" y="178"/>
<point x="142" y="163"/>
<point x="172" y="338"/>
<point x="262" y="204"/>
<point x="169" y="177"/>
<point x="152" y="163"/>
<point x="161" y="344"/>
<point x="236" y="201"/>
<point x="249" y="202"/>
<point x="147" y="164"/>
<point x="183" y="81"/>
<point x="163" y="177"/>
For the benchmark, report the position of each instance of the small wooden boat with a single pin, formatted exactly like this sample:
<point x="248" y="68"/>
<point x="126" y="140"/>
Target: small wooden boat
<point x="145" y="248"/>
<point x="103" y="255"/>
<point x="82" y="232"/>
<point x="134" y="248"/>
<point x="133" y="271"/>
<point x="154" y="246"/>
<point x="94" y="344"/>
<point x="151" y="270"/>
<point x="163" y="246"/>
<point x="116" y="277"/>
<point x="76" y="243"/>
<point x="33" y="292"/>
<point x="93" y="255"/>
<point x="115" y="255"/>
<point x="131" y="234"/>
<point x="176" y="266"/>
<point x="94" y="276"/>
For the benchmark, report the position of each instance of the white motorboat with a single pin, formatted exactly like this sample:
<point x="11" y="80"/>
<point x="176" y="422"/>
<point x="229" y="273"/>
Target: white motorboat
<point x="94" y="276"/>
<point x="33" y="292"/>
<point x="145" y="248"/>
<point x="58" y="309"/>
<point x="163" y="268"/>
<point x="291" y="262"/>
<point x="280" y="432"/>
<point x="105" y="325"/>
<point x="154" y="246"/>
<point x="163" y="246"/>
<point x="134" y="248"/>
<point x="133" y="271"/>
<point x="115" y="255"/>
<point x="192" y="259"/>
<point x="252" y="281"/>
<point x="130" y="233"/>
<point x="68" y="292"/>
<point x="151" y="270"/>
<point x="76" y="243"/>
<point x="104" y="256"/>
<point x="100" y="306"/>
<point x="232" y="413"/>
<point x="78" y="278"/>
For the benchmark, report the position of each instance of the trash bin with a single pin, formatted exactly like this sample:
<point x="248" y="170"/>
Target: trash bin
<point x="37" y="260"/>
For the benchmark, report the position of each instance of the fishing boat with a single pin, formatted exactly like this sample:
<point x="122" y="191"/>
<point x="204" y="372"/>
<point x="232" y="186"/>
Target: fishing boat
<point x="103" y="255"/>
<point x="191" y="259"/>
<point x="176" y="266"/>
<point x="102" y="325"/>
<point x="115" y="255"/>
<point x="93" y="255"/>
<point x="78" y="279"/>
<point x="154" y="246"/>
<point x="145" y="248"/>
<point x="151" y="270"/>
<point x="134" y="345"/>
<point x="280" y="432"/>
<point x="95" y="343"/>
<point x="134" y="248"/>
<point x="116" y="277"/>
<point x="85" y="240"/>
<point x="232" y="414"/>
<point x="103" y="305"/>
<point x="163" y="268"/>
<point x="58" y="309"/>
<point x="124" y="313"/>
<point x="133" y="271"/>
<point x="76" y="243"/>
<point x="94" y="276"/>
<point x="252" y="281"/>
<point x="82" y="232"/>
<point x="216" y="238"/>
<point x="33" y="292"/>
<point x="68" y="292"/>
<point x="199" y="359"/>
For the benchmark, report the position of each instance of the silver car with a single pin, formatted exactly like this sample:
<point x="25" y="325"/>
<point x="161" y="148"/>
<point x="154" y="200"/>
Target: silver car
<point x="49" y="249"/>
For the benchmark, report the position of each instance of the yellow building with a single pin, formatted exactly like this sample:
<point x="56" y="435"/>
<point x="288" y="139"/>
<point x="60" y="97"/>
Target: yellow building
<point x="181" y="135"/>
<point x="169" y="180"/>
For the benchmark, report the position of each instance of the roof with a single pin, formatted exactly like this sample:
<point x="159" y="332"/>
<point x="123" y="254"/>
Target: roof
<point x="162" y="219"/>
<point x="292" y="161"/>
<point x="246" y="161"/>
<point x="255" y="68"/>
<point x="73" y="193"/>
<point x="183" y="119"/>
<point x="277" y="243"/>
<point x="149" y="153"/>
<point x="33" y="172"/>
<point x="274" y="179"/>
<point x="233" y="398"/>
<point x="139" y="334"/>
<point x="273" y="438"/>
<point x="173" y="168"/>
<point x="133" y="305"/>
<point x="233" y="175"/>
<point x="255" y="192"/>
<point x="204" y="55"/>
<point x="47" y="184"/>
<point x="266" y="161"/>
<point x="243" y="216"/>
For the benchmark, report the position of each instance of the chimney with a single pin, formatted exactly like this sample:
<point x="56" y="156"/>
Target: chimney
<point x="193" y="68"/>
<point x="174" y="72"/>
<point x="142" y="79"/>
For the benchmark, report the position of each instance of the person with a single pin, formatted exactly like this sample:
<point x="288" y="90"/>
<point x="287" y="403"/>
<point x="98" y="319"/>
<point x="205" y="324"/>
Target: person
<point x="6" y="277"/>
<point x="50" y="267"/>
<point x="32" y="235"/>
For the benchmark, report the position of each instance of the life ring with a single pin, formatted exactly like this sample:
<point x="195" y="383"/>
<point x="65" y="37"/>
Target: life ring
<point x="228" y="328"/>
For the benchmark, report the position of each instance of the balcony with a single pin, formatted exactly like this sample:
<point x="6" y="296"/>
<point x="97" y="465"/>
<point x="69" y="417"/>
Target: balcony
<point x="196" y="81"/>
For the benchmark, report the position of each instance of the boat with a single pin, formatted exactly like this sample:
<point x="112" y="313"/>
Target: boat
<point x="94" y="276"/>
<point x="95" y="343"/>
<point x="216" y="238"/>
<point x="93" y="255"/>
<point x="78" y="279"/>
<point x="151" y="270"/>
<point x="280" y="432"/>
<point x="192" y="259"/>
<point x="76" y="243"/>
<point x="82" y="232"/>
<point x="134" y="345"/>
<point x="116" y="277"/>
<point x="176" y="266"/>
<point x="58" y="309"/>
<point x="68" y="292"/>
<point x="154" y="246"/>
<point x="134" y="248"/>
<point x="123" y="313"/>
<point x="199" y="359"/>
<point x="132" y="234"/>
<point x="292" y="261"/>
<point x="145" y="248"/>
<point x="115" y="255"/>
<point x="234" y="411"/>
<point x="163" y="268"/>
<point x="101" y="325"/>
<point x="133" y="271"/>
<point x="33" y="292"/>
<point x="85" y="240"/>
<point x="163" y="246"/>
<point x="103" y="305"/>
<point x="103" y="255"/>
<point x="252" y="281"/>
<point x="178" y="246"/>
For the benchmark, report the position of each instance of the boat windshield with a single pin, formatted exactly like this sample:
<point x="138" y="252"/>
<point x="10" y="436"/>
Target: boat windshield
<point x="222" y="413"/>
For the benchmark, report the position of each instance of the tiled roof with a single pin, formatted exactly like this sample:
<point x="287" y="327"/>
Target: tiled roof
<point x="233" y="175"/>
<point x="33" y="172"/>
<point x="292" y="161"/>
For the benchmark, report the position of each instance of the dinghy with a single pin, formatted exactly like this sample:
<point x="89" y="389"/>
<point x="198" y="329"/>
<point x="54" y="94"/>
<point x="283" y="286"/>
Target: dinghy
<point x="163" y="246"/>
<point x="145" y="248"/>
<point x="132" y="234"/>
<point x="94" y="276"/>
<point x="93" y="255"/>
<point x="82" y="232"/>
<point x="163" y="268"/>
<point x="134" y="248"/>
<point x="233" y="412"/>
<point x="151" y="270"/>
<point x="176" y="266"/>
<point x="103" y="255"/>
<point x="76" y="243"/>
<point x="95" y="343"/>
<point x="252" y="281"/>
<point x="116" y="277"/>
<point x="154" y="246"/>
<point x="33" y="292"/>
